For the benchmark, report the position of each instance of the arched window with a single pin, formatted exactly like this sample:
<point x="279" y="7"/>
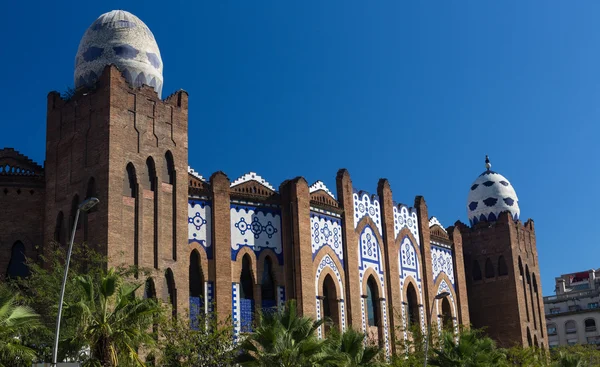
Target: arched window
<point x="74" y="207"/>
<point x="502" y="268"/>
<point x="476" y="271"/>
<point x="169" y="174"/>
<point x="130" y="182"/>
<point x="150" y="174"/>
<point x="590" y="325"/>
<point x="171" y="290"/>
<point x="91" y="192"/>
<point x="531" y="296"/>
<point x="330" y="302"/>
<point x="17" y="266"/>
<point x="246" y="295"/>
<point x="413" y="305"/>
<point x="58" y="229"/>
<point x="447" y="323"/>
<point x="522" y="274"/>
<point x="196" y="278"/>
<point x="372" y="302"/>
<point x="529" y="342"/>
<point x="537" y="300"/>
<point x="489" y="269"/>
<point x="535" y="342"/>
<point x="267" y="287"/>
<point x="149" y="289"/>
<point x="570" y="327"/>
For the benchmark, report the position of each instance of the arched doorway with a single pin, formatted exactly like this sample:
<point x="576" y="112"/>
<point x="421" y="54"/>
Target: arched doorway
<point x="374" y="324"/>
<point x="17" y="266"/>
<point x="330" y="303"/>
<point x="196" y="278"/>
<point x="412" y="307"/>
<point x="446" y="318"/>
<point x="246" y="295"/>
<point x="268" y="289"/>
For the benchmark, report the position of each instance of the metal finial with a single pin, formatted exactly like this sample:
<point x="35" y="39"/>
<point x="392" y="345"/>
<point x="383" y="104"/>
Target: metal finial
<point x="488" y="165"/>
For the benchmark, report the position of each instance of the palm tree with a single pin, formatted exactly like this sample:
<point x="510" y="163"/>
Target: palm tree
<point x="283" y="339"/>
<point x="351" y="344"/>
<point x="472" y="350"/>
<point x="113" y="322"/>
<point x="15" y="321"/>
<point x="570" y="360"/>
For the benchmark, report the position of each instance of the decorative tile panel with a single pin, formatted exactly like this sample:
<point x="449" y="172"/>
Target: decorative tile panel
<point x="365" y="205"/>
<point x="441" y="262"/>
<point x="255" y="227"/>
<point x="327" y="262"/>
<point x="280" y="297"/>
<point x="405" y="217"/>
<point x="199" y="224"/>
<point x="326" y="231"/>
<point x="235" y="310"/>
<point x="369" y="253"/>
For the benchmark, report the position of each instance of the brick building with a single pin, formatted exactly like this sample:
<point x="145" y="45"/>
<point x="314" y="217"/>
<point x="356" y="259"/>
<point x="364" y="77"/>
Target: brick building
<point x="241" y="245"/>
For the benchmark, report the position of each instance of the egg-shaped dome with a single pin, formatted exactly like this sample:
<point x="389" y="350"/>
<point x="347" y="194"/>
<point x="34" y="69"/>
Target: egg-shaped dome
<point x="120" y="38"/>
<point x="490" y="195"/>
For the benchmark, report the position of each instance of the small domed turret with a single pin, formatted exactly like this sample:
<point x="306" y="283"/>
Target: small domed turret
<point x="490" y="195"/>
<point x="120" y="38"/>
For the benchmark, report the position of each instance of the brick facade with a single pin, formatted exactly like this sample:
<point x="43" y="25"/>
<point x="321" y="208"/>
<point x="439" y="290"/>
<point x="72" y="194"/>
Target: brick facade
<point x="130" y="149"/>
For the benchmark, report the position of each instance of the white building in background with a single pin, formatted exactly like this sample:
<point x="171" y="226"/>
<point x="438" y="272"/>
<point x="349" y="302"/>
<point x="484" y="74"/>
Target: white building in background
<point x="573" y="314"/>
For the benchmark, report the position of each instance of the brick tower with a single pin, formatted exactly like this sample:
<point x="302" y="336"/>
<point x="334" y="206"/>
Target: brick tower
<point x="502" y="270"/>
<point x="115" y="139"/>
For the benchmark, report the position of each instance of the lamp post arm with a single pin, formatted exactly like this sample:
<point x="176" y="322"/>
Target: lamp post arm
<point x="62" y="290"/>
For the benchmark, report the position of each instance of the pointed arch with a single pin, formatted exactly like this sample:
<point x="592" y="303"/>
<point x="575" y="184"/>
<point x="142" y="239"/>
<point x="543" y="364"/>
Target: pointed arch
<point x="412" y="306"/>
<point x="172" y="290"/>
<point x="328" y="266"/>
<point x="489" y="269"/>
<point x="59" y="228"/>
<point x="246" y="294"/>
<point x="531" y="296"/>
<point x="330" y="302"/>
<point x="373" y="309"/>
<point x="130" y="181"/>
<point x="268" y="286"/>
<point x="17" y="265"/>
<point x="529" y="341"/>
<point x="196" y="287"/>
<point x="90" y="192"/>
<point x="476" y="272"/>
<point x="169" y="168"/>
<point x="522" y="275"/>
<point x="150" y="183"/>
<point x="502" y="268"/>
<point x="446" y="314"/>
<point x="149" y="289"/>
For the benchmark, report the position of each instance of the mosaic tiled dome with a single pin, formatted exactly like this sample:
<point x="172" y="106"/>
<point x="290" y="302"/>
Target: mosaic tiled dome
<point x="490" y="195"/>
<point x="122" y="39"/>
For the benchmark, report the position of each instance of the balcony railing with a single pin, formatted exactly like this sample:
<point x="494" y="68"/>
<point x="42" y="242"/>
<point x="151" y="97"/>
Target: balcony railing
<point x="590" y="328"/>
<point x="570" y="295"/>
<point x="571" y="331"/>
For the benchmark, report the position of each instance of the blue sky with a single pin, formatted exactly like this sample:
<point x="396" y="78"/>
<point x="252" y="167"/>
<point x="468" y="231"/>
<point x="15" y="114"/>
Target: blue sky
<point x="414" y="92"/>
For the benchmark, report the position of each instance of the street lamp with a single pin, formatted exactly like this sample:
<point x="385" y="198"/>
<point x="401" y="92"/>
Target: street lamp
<point x="436" y="298"/>
<point x="85" y="206"/>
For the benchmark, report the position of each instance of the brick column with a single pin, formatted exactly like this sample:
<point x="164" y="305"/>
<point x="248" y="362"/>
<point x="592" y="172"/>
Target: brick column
<point x="352" y="296"/>
<point x="390" y="249"/>
<point x="296" y="213"/>
<point x="221" y="237"/>
<point x="425" y="254"/>
<point x="459" y="276"/>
